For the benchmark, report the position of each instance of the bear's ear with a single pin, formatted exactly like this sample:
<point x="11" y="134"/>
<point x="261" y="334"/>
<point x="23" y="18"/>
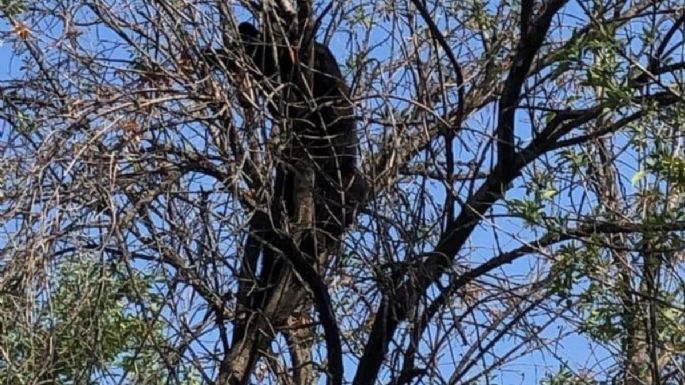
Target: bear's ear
<point x="257" y="49"/>
<point x="248" y="32"/>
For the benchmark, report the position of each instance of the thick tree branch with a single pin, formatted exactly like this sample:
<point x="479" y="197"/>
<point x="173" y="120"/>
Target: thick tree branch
<point x="527" y="49"/>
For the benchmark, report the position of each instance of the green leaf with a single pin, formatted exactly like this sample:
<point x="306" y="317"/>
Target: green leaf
<point x="637" y="177"/>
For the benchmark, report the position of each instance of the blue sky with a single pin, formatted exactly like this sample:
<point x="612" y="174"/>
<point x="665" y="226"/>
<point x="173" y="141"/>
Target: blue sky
<point x="527" y="370"/>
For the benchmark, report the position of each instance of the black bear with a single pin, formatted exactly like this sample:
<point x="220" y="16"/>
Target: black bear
<point x="309" y="101"/>
<point x="315" y="107"/>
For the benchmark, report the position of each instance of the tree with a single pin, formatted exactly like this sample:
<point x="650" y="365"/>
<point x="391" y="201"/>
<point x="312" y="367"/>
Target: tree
<point x="525" y="169"/>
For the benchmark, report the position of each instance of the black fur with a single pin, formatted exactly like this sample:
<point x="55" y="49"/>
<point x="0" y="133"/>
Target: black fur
<point x="312" y="108"/>
<point x="315" y="107"/>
